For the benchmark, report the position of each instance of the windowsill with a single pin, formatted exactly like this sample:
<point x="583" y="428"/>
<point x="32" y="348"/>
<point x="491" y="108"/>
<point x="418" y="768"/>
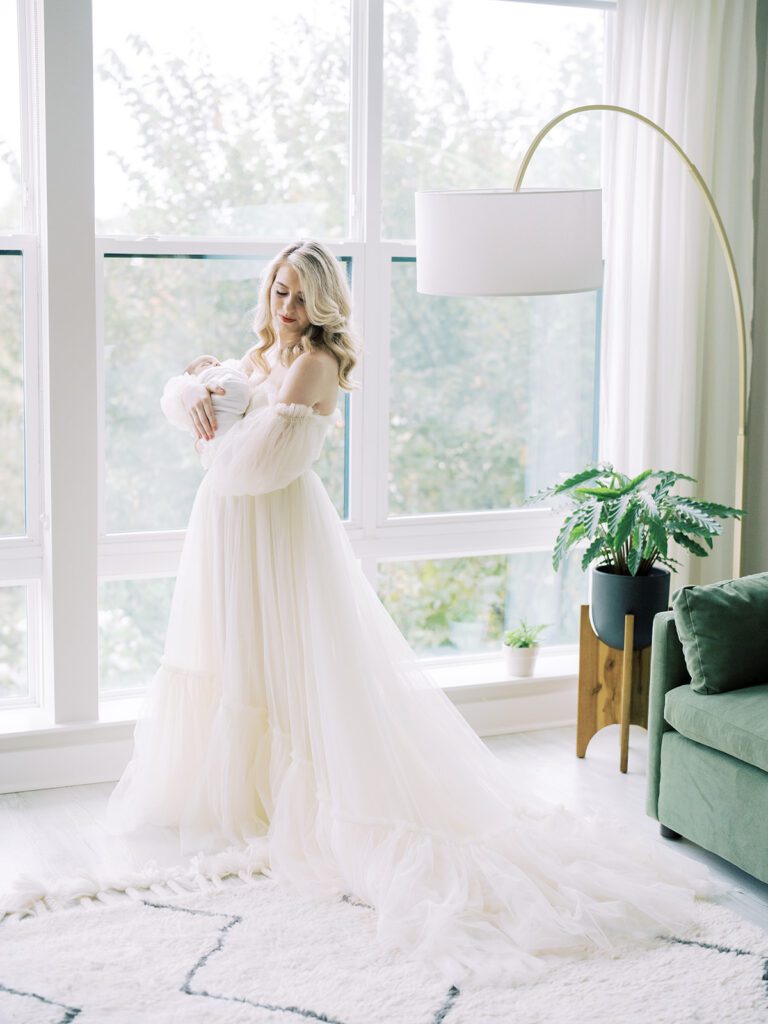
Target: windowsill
<point x="487" y="678"/>
<point x="468" y="678"/>
<point x="490" y="668"/>
<point x="17" y="723"/>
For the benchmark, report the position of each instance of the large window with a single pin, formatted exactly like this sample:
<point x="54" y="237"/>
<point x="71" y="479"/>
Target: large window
<point x="203" y="137"/>
<point x="15" y="680"/>
<point x="11" y="180"/>
<point x="468" y="84"/>
<point x="222" y="119"/>
<point x="489" y="398"/>
<point x="13" y="511"/>
<point x="219" y="133"/>
<point x="462" y="605"/>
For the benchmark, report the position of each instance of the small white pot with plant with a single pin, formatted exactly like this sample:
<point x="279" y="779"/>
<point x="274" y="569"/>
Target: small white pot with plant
<point x="521" y="648"/>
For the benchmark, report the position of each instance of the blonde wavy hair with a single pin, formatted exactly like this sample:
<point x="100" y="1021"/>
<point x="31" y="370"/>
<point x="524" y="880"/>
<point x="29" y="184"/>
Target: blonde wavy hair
<point x="328" y="304"/>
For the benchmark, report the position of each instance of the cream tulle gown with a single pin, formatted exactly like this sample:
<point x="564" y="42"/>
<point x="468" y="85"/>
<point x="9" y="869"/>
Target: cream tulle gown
<point x="290" y="711"/>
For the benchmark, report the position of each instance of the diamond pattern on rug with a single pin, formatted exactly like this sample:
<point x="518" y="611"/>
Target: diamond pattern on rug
<point x="258" y="954"/>
<point x="283" y="959"/>
<point x="34" y="1008"/>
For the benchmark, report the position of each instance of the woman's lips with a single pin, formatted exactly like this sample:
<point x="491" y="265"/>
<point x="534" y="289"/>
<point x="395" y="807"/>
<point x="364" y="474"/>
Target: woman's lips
<point x="286" y="319"/>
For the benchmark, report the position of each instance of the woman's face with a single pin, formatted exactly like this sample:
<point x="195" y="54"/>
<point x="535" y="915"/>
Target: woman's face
<point x="286" y="302"/>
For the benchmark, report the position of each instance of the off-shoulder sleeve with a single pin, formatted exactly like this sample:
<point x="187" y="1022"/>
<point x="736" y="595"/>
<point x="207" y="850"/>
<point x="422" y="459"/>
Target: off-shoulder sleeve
<point x="268" y="449"/>
<point x="171" y="405"/>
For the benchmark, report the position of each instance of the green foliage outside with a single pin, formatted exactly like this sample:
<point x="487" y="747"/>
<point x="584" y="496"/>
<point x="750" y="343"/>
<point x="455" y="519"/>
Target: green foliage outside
<point x="462" y="605"/>
<point x="221" y="155"/>
<point x="13" y="643"/>
<point x="488" y="397"/>
<point x="13" y="599"/>
<point x="12" y="491"/>
<point x="435" y="135"/>
<point x="133" y="615"/>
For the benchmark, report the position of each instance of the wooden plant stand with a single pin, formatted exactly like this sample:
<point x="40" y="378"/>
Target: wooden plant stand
<point x="613" y="686"/>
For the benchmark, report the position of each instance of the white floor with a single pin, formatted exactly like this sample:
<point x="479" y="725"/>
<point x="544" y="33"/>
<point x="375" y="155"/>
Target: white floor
<point x="59" y="832"/>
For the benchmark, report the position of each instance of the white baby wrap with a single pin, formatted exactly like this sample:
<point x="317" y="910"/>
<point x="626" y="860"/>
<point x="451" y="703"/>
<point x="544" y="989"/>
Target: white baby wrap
<point x="229" y="407"/>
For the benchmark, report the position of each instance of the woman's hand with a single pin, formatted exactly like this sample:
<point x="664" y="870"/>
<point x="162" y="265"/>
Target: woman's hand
<point x="196" y="399"/>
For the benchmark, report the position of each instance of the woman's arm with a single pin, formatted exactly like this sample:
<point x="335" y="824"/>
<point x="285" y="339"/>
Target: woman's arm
<point x="187" y="404"/>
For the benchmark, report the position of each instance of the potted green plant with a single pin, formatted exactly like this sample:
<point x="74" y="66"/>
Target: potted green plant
<point x="521" y="648"/>
<point x="628" y="524"/>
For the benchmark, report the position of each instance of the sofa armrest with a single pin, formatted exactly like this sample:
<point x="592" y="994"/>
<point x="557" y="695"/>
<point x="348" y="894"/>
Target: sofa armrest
<point x="668" y="670"/>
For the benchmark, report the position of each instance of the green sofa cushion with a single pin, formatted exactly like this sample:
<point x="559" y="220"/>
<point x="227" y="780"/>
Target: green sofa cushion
<point x="736" y="723"/>
<point x="723" y="628"/>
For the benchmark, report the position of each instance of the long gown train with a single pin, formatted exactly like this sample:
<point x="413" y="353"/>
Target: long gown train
<point x="289" y="711"/>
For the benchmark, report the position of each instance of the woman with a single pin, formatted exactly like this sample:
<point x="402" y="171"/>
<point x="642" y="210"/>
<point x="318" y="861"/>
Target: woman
<point x="289" y="715"/>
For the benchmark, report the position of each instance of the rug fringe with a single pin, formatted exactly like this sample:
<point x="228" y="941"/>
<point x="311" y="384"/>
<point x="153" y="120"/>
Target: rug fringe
<point x="31" y="896"/>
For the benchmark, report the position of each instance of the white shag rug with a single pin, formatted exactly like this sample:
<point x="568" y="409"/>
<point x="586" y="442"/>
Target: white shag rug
<point x="221" y="944"/>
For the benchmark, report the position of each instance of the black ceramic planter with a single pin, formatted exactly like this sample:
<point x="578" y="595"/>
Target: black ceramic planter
<point x="613" y="596"/>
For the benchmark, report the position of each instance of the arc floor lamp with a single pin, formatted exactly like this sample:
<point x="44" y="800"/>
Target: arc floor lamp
<point x="468" y="242"/>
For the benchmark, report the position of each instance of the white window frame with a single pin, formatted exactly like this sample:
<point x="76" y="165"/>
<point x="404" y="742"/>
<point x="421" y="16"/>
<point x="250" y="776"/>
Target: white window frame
<point x="68" y="551"/>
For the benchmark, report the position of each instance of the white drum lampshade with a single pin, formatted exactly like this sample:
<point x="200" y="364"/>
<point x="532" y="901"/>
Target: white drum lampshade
<point x="502" y="242"/>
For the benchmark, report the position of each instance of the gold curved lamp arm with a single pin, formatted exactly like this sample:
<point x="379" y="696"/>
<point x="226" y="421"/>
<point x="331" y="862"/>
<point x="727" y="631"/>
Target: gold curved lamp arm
<point x="738" y="304"/>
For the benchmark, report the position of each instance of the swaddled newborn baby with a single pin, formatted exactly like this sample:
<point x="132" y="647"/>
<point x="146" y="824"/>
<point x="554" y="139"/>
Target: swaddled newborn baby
<point x="229" y="407"/>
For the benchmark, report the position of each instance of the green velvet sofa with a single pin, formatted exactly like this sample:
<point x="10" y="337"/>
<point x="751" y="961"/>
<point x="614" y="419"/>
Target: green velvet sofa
<point x="708" y="723"/>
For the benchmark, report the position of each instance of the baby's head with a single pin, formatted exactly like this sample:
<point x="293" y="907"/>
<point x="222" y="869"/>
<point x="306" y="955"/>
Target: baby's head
<point x="201" y="363"/>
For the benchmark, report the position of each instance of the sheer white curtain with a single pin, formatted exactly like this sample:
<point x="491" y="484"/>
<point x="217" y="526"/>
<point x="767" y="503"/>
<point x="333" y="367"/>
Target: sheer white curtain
<point x="669" y="354"/>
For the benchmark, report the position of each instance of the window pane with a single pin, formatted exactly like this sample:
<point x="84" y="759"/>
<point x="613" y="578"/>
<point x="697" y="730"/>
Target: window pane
<point x="490" y="398"/>
<point x="14" y="678"/>
<point x="463" y="605"/>
<point x="160" y="313"/>
<point x="467" y="85"/>
<point x="222" y="119"/>
<point x="133" y="617"/>
<point x="10" y="121"/>
<point x="12" y="483"/>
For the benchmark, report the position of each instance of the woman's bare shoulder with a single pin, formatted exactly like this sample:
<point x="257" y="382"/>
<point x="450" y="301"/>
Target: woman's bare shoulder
<point x="321" y="357"/>
<point x="313" y="379"/>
